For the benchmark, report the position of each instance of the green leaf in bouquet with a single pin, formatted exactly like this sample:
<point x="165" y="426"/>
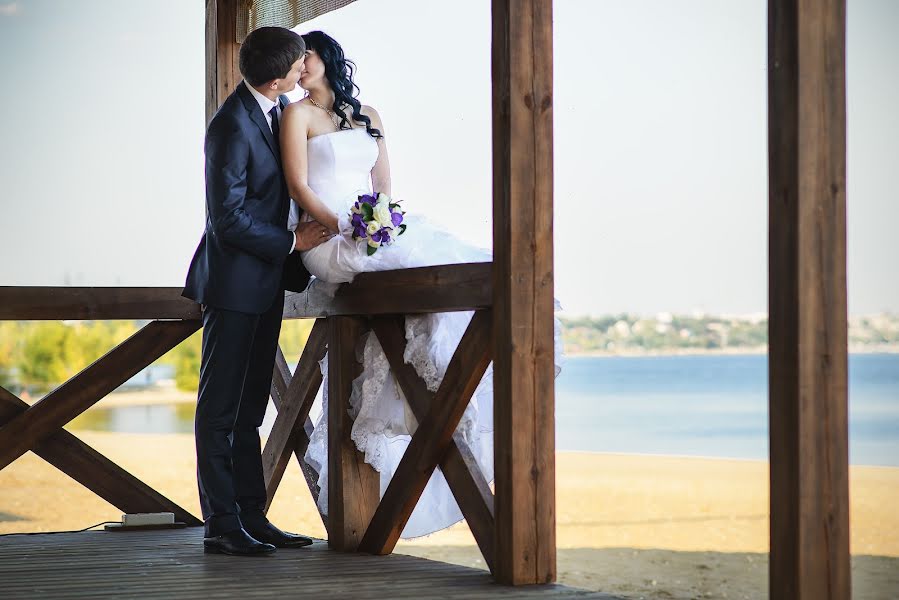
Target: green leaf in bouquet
<point x="402" y="229"/>
<point x="371" y="250"/>
<point x="367" y="212"/>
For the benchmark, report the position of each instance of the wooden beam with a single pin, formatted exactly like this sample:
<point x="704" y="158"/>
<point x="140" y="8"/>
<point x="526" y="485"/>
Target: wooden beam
<point x="222" y="50"/>
<point x="459" y="466"/>
<point x="442" y="288"/>
<point x="281" y="377"/>
<point x="432" y="438"/>
<point x="288" y="434"/>
<point x="69" y="400"/>
<point x="807" y="300"/>
<point x="353" y="486"/>
<point x="523" y="291"/>
<point x="94" y="471"/>
<point x="280" y="380"/>
<point x="94" y="303"/>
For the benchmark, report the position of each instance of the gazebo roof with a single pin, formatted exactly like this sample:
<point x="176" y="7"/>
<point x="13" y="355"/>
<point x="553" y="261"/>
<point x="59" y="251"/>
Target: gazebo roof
<point x="253" y="14"/>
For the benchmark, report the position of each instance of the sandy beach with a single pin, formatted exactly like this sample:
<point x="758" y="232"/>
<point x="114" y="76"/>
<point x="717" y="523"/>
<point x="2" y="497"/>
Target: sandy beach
<point x="638" y="526"/>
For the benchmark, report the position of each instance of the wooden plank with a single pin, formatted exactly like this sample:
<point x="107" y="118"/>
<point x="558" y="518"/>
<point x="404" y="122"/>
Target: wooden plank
<point x="432" y="438"/>
<point x="523" y="291"/>
<point x="288" y="433"/>
<point x="94" y="303"/>
<point x="459" y="466"/>
<point x="353" y="486"/>
<point x="280" y="379"/>
<point x="442" y="288"/>
<point x="153" y="565"/>
<point x="69" y="400"/>
<point x="94" y="471"/>
<point x="807" y="300"/>
<point x="222" y="53"/>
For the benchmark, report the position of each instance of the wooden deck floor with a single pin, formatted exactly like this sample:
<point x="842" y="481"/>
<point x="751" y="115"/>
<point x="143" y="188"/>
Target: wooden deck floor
<point x="171" y="564"/>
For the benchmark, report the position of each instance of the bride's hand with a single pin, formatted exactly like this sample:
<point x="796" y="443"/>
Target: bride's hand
<point x="311" y="234"/>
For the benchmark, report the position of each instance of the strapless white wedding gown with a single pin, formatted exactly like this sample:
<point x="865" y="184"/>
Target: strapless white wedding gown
<point x="339" y="166"/>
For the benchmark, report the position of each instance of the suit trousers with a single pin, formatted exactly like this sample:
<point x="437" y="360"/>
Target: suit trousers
<point x="235" y="382"/>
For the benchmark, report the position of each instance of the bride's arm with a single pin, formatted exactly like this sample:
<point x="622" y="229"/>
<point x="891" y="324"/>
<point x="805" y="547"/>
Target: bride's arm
<point x="380" y="173"/>
<point x="294" y="128"/>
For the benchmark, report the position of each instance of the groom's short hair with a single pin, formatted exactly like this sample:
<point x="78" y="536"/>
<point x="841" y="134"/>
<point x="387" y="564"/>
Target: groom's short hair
<point x="268" y="53"/>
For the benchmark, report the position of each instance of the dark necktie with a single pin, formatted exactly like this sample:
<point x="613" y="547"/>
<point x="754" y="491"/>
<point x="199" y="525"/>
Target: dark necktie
<point x="276" y="129"/>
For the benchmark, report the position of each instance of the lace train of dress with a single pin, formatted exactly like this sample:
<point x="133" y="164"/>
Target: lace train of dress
<point x="339" y="166"/>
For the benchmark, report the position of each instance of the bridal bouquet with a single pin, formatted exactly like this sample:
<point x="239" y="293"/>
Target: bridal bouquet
<point x="377" y="219"/>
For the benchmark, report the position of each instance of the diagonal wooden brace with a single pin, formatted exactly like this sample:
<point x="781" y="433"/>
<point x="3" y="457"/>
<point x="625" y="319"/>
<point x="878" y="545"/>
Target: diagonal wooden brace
<point x="51" y="413"/>
<point x="94" y="471"/>
<point x="432" y="438"/>
<point x="459" y="466"/>
<point x="289" y="431"/>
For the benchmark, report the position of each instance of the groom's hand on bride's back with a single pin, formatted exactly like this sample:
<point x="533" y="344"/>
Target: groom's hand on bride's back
<point x="311" y="234"/>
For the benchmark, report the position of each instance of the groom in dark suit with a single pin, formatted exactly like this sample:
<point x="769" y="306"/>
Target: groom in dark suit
<point x="246" y="259"/>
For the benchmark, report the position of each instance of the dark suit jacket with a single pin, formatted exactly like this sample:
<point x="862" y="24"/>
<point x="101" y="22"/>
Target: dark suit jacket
<point x="243" y="260"/>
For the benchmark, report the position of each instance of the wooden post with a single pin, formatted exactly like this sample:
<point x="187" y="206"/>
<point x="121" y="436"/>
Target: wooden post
<point x="222" y="71"/>
<point x="523" y="291"/>
<point x="807" y="300"/>
<point x="353" y="486"/>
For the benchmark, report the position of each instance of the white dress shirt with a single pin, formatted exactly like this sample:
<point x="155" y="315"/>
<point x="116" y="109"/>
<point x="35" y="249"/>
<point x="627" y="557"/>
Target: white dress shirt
<point x="266" y="105"/>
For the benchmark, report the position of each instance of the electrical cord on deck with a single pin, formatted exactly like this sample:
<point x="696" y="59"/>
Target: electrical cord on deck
<point x="54" y="532"/>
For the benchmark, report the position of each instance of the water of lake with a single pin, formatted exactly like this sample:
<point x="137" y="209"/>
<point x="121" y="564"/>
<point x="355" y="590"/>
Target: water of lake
<point x="685" y="405"/>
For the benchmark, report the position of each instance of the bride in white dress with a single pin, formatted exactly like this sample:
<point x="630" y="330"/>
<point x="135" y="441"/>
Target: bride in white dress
<point x="333" y="149"/>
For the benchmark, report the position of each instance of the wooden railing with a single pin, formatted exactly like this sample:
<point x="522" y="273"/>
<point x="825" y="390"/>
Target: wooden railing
<point x="375" y="302"/>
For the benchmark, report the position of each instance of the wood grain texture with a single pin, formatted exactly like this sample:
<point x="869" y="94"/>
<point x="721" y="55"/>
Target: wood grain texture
<point x="523" y="291"/>
<point x="170" y="565"/>
<point x="94" y="471"/>
<point x="94" y="303"/>
<point x="353" y="486"/>
<point x="299" y="450"/>
<point x="459" y="466"/>
<point x="281" y="377"/>
<point x="807" y="300"/>
<point x="288" y="433"/>
<point x="222" y="53"/>
<point x="442" y="288"/>
<point x="432" y="438"/>
<point x="69" y="400"/>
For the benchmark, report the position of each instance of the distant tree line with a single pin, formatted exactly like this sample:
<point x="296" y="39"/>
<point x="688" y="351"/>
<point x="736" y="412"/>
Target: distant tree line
<point x="669" y="332"/>
<point x="39" y="355"/>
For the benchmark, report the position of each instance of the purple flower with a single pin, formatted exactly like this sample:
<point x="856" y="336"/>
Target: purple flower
<point x="397" y="218"/>
<point x="357" y="221"/>
<point x="368" y="199"/>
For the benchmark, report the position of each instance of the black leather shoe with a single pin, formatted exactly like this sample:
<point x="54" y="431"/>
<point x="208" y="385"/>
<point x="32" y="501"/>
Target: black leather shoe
<point x="237" y="542"/>
<point x="270" y="534"/>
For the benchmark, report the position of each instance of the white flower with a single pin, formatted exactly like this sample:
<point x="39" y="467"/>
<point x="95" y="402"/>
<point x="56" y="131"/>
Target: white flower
<point x="382" y="214"/>
<point x="373" y="243"/>
<point x="356" y="210"/>
<point x="373" y="227"/>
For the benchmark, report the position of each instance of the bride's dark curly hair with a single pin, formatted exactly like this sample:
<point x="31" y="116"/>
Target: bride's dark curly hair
<point x="339" y="72"/>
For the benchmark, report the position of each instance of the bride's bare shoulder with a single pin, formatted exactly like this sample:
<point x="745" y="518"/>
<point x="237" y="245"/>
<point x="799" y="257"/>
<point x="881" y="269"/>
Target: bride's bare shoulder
<point x="371" y="113"/>
<point x="299" y="109"/>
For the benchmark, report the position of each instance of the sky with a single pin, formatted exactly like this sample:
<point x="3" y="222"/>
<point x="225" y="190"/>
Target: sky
<point x="660" y="191"/>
